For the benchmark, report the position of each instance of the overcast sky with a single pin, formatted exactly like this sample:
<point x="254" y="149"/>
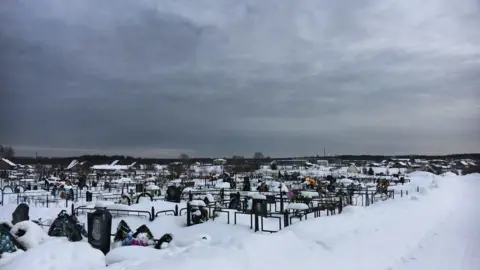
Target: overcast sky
<point x="158" y="78"/>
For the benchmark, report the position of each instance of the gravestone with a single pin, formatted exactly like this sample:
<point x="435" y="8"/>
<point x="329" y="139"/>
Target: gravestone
<point x="139" y="188"/>
<point x="259" y="207"/>
<point x="246" y="184"/>
<point x="82" y="182"/>
<point x="173" y="194"/>
<point x="89" y="196"/>
<point x="99" y="229"/>
<point x="71" y="194"/>
<point x="20" y="214"/>
<point x="234" y="203"/>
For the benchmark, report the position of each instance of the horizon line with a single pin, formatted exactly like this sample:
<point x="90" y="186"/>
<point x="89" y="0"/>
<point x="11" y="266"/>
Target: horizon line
<point x="231" y="157"/>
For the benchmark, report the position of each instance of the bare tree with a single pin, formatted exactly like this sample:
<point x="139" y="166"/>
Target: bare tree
<point x="184" y="157"/>
<point x="176" y="169"/>
<point x="258" y="155"/>
<point x="6" y="152"/>
<point x="10" y="152"/>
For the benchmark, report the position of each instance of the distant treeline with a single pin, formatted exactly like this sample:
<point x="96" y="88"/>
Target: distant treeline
<point x="126" y="160"/>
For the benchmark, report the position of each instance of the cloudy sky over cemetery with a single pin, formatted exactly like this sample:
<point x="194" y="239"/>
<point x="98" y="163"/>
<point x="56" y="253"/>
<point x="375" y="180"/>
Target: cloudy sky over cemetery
<point x="224" y="77"/>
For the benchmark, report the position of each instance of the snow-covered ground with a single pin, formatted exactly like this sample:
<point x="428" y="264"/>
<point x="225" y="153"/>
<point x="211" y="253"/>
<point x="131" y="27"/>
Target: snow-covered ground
<point x="432" y="229"/>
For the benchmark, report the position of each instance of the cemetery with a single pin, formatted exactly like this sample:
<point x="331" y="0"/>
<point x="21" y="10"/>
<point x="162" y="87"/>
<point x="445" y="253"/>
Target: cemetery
<point x="113" y="214"/>
<point x="142" y="215"/>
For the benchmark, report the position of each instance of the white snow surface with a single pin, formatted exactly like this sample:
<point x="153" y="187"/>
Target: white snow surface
<point x="297" y="206"/>
<point x="436" y="228"/>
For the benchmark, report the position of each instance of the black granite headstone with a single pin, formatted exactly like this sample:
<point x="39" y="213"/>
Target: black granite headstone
<point x="259" y="210"/>
<point x="173" y="194"/>
<point x="89" y="196"/>
<point x="99" y="229"/>
<point x="246" y="184"/>
<point x="20" y="214"/>
<point x="259" y="207"/>
<point x="139" y="188"/>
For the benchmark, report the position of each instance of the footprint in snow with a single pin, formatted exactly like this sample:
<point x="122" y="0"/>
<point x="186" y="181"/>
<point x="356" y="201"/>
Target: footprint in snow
<point x="320" y="243"/>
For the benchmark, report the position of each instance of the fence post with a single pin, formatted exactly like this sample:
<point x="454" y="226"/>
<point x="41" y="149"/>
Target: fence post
<point x="256" y="213"/>
<point x="340" y="207"/>
<point x="222" y="194"/>
<point x="285" y="219"/>
<point x="281" y="200"/>
<point x="367" y="200"/>
<point x="73" y="209"/>
<point x="153" y="214"/>
<point x="176" y="210"/>
<point x="189" y="209"/>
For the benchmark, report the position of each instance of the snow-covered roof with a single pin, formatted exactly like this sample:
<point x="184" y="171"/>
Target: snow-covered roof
<point x="114" y="162"/>
<point x="9" y="162"/>
<point x="72" y="164"/>
<point x="110" y="167"/>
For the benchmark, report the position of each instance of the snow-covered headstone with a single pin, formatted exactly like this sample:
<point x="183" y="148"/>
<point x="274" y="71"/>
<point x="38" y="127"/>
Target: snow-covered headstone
<point x="20" y="214"/>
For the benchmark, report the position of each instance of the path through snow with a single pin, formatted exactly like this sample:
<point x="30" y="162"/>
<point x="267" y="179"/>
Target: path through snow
<point x="455" y="242"/>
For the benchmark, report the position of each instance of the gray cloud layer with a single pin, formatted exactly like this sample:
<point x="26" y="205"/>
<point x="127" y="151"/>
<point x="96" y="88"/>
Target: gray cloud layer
<point x="223" y="77"/>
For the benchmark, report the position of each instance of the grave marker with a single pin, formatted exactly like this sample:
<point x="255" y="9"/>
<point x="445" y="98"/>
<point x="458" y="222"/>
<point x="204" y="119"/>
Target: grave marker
<point x="89" y="196"/>
<point x="259" y="209"/>
<point x="99" y="229"/>
<point x="139" y="188"/>
<point x="20" y="214"/>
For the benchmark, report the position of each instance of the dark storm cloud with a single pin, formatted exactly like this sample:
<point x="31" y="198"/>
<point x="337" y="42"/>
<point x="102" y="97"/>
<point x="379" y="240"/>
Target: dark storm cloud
<point x="220" y="77"/>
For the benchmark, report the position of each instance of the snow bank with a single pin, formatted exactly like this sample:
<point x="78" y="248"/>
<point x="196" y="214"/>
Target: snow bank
<point x="58" y="254"/>
<point x="34" y="234"/>
<point x="197" y="203"/>
<point x="221" y="184"/>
